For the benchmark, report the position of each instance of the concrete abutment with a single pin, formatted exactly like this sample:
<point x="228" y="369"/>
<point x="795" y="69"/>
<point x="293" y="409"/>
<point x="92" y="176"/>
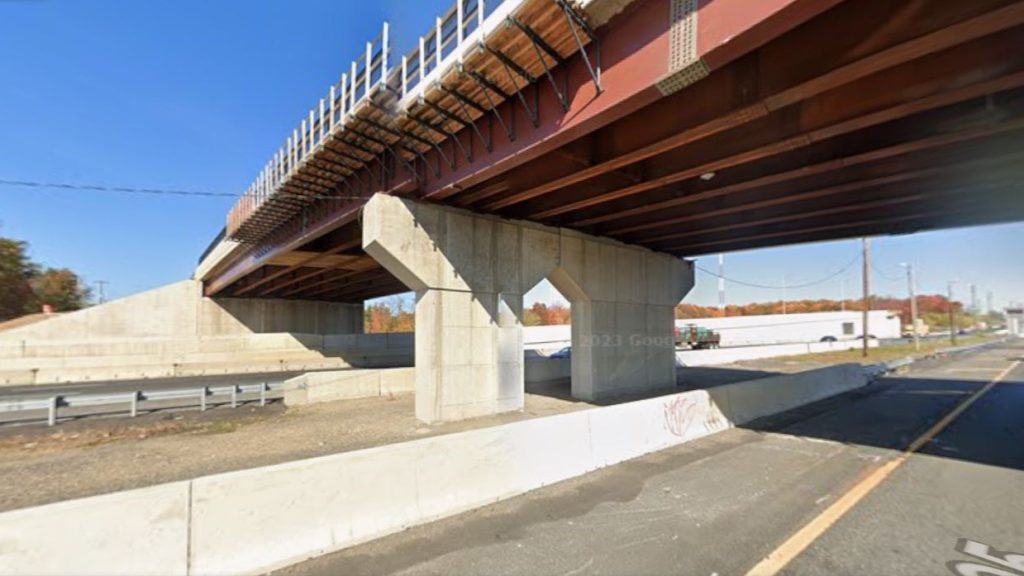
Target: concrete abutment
<point x="470" y="271"/>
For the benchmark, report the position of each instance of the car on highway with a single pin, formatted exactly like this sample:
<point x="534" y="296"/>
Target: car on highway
<point x="563" y="353"/>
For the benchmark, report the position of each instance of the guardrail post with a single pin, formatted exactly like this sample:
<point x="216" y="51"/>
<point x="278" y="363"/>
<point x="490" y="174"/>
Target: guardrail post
<point x="263" y="394"/>
<point x="52" y="417"/>
<point x="135" y="404"/>
<point x="234" y="396"/>
<point x="202" y="399"/>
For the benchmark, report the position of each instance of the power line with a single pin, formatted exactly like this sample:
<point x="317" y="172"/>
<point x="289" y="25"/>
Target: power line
<point x="155" y="191"/>
<point x="884" y="275"/>
<point x="788" y="286"/>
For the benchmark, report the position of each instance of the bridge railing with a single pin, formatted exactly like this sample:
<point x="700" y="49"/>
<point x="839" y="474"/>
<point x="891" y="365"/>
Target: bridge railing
<point x="461" y="24"/>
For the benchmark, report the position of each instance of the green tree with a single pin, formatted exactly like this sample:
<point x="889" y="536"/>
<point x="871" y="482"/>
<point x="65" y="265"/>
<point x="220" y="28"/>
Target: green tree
<point x="16" y="271"/>
<point x="60" y="288"/>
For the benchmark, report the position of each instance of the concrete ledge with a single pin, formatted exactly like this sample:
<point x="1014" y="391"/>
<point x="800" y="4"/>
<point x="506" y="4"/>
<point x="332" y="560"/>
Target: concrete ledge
<point x="252" y="521"/>
<point x="347" y="384"/>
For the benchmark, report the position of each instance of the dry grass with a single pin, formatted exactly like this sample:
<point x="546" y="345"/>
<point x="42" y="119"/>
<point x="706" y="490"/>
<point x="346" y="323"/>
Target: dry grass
<point x="884" y="353"/>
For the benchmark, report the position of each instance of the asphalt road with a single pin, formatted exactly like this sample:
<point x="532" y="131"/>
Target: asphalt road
<point x="802" y="481"/>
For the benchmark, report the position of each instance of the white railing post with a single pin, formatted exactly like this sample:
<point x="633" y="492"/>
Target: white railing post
<point x="384" y="52"/>
<point x="344" y="100"/>
<point x="263" y="394"/>
<point x="333" y="109"/>
<point x="323" y="121"/>
<point x="302" y="137"/>
<point x="458" y="17"/>
<point x="405" y="69"/>
<point x="437" y="40"/>
<point x="234" y="396"/>
<point x="423" y="56"/>
<point x="354" y="89"/>
<point x="288" y="152"/>
<point x="135" y="404"/>
<point x="309" y="141"/>
<point x="369" y="67"/>
<point x="480" y="16"/>
<point x="202" y="399"/>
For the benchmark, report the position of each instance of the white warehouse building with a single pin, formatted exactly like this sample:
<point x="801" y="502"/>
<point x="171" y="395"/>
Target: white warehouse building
<point x="755" y="330"/>
<point x="789" y="328"/>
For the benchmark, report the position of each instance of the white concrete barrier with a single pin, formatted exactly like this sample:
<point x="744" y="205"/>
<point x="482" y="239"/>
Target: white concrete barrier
<point x="251" y="521"/>
<point x="137" y="532"/>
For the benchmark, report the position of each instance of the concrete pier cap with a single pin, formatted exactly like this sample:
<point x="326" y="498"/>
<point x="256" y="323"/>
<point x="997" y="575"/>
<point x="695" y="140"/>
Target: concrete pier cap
<point x="470" y="271"/>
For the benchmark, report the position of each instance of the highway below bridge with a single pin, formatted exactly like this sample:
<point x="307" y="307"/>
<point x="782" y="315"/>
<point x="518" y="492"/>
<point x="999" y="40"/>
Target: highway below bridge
<point x="892" y="479"/>
<point x="600" y="144"/>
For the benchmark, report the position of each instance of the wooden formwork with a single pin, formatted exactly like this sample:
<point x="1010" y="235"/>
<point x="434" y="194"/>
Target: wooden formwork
<point x="498" y="61"/>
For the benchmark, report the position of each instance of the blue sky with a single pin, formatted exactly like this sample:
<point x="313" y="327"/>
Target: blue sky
<point x="197" y="95"/>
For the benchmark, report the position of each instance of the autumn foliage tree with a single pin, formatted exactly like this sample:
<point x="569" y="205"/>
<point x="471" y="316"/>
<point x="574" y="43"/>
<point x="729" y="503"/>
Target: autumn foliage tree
<point x="932" y="308"/>
<point x="541" y="314"/>
<point x="25" y="286"/>
<point x="393" y="315"/>
<point x="15" y="272"/>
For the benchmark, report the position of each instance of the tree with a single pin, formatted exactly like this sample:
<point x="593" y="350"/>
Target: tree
<point x="60" y="288"/>
<point x="390" y="316"/>
<point x="16" y="270"/>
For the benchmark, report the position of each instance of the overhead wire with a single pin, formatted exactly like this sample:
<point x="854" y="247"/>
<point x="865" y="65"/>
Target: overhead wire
<point x="155" y="191"/>
<point x="787" y="286"/>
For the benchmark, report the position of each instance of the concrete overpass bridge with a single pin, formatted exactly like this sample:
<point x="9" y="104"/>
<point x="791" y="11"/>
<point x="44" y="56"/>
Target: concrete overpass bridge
<point x="598" y="142"/>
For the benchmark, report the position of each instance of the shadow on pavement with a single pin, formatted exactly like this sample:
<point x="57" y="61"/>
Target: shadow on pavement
<point x="894" y="411"/>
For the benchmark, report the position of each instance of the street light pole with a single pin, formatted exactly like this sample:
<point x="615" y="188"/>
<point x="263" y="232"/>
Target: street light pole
<point x="913" y="305"/>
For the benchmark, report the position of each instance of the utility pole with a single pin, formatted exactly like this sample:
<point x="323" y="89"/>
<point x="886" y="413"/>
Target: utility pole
<point x="784" y="293"/>
<point x="952" y="313"/>
<point x="721" y="284"/>
<point x="842" y="294"/>
<point x="866" y="276"/>
<point x="100" y="284"/>
<point x="974" y="298"/>
<point x="913" y="305"/>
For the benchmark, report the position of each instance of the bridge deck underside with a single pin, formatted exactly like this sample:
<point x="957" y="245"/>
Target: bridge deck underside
<point x="872" y="118"/>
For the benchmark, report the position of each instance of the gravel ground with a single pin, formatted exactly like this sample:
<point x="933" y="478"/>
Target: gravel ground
<point x="92" y="456"/>
<point x="39" y="465"/>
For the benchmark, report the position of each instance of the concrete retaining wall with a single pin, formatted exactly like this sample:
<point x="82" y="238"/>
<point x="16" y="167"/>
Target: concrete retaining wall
<point x="55" y="361"/>
<point x="251" y="521"/>
<point x="180" y="310"/>
<point x="346" y="384"/>
<point x="366" y="383"/>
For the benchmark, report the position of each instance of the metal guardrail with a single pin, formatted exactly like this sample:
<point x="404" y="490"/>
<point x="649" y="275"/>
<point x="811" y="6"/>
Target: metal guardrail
<point x="204" y="397"/>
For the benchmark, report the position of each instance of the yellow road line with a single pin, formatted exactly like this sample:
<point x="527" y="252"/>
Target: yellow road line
<point x="805" y="536"/>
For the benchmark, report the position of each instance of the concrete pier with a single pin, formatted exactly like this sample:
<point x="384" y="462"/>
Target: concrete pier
<point x="470" y="272"/>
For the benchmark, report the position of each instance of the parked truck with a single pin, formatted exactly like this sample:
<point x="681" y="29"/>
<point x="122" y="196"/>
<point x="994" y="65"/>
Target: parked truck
<point x="696" y="337"/>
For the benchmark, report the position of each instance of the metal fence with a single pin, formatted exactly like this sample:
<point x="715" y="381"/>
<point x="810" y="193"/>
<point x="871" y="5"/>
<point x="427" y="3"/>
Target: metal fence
<point x="129" y="402"/>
